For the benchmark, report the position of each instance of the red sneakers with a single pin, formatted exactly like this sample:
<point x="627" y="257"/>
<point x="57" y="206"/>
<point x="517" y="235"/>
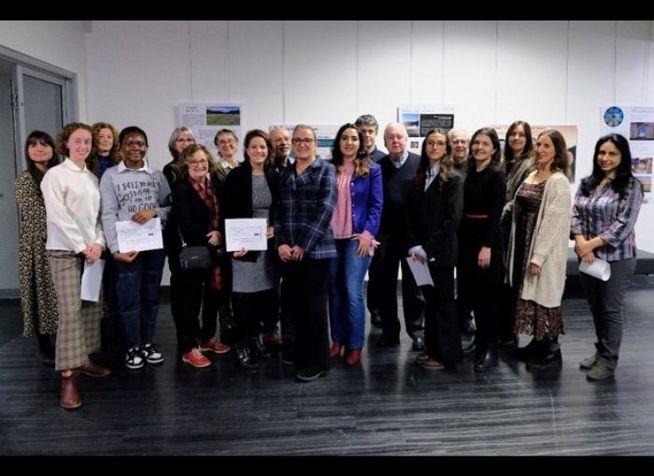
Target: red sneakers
<point x="195" y="358"/>
<point x="214" y="345"/>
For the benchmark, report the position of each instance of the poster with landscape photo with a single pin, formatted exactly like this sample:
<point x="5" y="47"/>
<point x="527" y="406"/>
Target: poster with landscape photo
<point x="206" y="119"/>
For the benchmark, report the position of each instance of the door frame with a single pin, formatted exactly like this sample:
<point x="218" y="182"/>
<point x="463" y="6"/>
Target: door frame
<point x="23" y="66"/>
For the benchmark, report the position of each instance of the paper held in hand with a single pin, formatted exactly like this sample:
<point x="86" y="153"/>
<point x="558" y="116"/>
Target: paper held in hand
<point x="420" y="272"/>
<point x="248" y="233"/>
<point x="599" y="269"/>
<point x="135" y="237"/>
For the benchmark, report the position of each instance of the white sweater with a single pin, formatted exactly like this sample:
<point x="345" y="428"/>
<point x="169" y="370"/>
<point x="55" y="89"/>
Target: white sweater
<point x="72" y="204"/>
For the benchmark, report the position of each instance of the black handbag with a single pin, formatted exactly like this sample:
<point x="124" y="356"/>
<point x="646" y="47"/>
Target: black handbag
<point x="194" y="258"/>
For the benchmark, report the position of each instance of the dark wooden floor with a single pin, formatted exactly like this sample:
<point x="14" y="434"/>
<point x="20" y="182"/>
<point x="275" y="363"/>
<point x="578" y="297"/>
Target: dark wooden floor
<point x="388" y="406"/>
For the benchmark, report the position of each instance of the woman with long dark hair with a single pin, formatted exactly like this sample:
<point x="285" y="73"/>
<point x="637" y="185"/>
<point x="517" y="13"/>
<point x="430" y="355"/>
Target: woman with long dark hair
<point x="604" y="214"/>
<point x="355" y="223"/>
<point x="37" y="293"/>
<point x="434" y="210"/>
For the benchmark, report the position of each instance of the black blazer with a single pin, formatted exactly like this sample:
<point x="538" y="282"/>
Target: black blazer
<point x="433" y="217"/>
<point x="237" y="198"/>
<point x="192" y="215"/>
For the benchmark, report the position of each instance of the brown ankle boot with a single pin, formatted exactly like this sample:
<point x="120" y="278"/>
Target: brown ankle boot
<point x="69" y="397"/>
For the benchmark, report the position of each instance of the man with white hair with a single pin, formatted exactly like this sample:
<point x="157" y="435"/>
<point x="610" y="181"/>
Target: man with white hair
<point x="399" y="169"/>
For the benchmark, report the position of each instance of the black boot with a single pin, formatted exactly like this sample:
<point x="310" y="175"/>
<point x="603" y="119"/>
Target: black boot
<point x="487" y="360"/>
<point x="549" y="354"/>
<point x="525" y="353"/>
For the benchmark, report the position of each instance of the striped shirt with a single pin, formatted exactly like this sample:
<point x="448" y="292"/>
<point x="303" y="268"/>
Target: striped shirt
<point x="603" y="213"/>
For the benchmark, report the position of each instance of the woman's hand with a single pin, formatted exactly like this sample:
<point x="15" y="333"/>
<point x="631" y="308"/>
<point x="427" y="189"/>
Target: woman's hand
<point x="92" y="252"/>
<point x="214" y="238"/>
<point x="125" y="257"/>
<point x="270" y="232"/>
<point x="588" y="258"/>
<point x="284" y="252"/>
<point x="534" y="269"/>
<point x="143" y="216"/>
<point x="240" y="253"/>
<point x="365" y="241"/>
<point x="484" y="257"/>
<point x="419" y="258"/>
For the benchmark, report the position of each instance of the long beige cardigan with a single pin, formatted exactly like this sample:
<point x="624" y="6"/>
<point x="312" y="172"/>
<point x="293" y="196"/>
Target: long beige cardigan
<point x="549" y="245"/>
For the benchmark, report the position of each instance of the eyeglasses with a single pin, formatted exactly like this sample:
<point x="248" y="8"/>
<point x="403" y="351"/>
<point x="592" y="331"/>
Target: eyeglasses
<point x="195" y="163"/>
<point x="182" y="139"/>
<point x="434" y="143"/>
<point x="302" y="140"/>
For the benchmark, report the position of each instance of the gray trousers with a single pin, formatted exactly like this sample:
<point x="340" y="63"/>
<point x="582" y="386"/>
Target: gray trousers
<point x="606" y="299"/>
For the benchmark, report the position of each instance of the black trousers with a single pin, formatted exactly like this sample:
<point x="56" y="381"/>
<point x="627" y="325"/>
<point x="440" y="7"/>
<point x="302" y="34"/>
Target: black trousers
<point x="305" y="287"/>
<point x="442" y="337"/>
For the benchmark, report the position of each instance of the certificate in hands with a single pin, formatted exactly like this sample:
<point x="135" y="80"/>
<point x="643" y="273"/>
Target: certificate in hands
<point x="248" y="233"/>
<point x="135" y="237"/>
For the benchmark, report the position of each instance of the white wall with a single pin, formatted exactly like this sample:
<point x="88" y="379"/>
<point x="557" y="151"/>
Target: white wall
<point x="330" y="72"/>
<point x="59" y="43"/>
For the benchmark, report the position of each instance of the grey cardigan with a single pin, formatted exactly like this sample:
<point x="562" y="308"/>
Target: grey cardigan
<point x="549" y="245"/>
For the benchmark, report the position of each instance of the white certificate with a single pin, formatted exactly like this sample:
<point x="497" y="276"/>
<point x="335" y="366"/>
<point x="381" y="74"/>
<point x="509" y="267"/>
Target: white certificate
<point x="135" y="237"/>
<point x="248" y="233"/>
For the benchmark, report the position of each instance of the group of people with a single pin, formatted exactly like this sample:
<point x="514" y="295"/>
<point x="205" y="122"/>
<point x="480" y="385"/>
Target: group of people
<point x="503" y="223"/>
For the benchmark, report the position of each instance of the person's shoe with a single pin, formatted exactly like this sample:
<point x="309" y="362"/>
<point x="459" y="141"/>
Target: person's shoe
<point x="600" y="372"/>
<point x="353" y="357"/>
<point x="487" y="360"/>
<point x="69" y="395"/>
<point x="589" y="362"/>
<point x="335" y="350"/>
<point x="310" y="375"/>
<point x="93" y="370"/>
<point x="385" y="341"/>
<point x="523" y="354"/>
<point x="545" y="360"/>
<point x="418" y="344"/>
<point x="133" y="359"/>
<point x="195" y="358"/>
<point x="432" y="364"/>
<point x="215" y="346"/>
<point x="375" y="319"/>
<point x="151" y="354"/>
<point x="245" y="358"/>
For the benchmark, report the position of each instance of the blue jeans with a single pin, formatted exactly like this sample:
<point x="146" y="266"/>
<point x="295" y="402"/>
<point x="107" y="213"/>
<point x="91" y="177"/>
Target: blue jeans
<point x="346" y="308"/>
<point x="137" y="295"/>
